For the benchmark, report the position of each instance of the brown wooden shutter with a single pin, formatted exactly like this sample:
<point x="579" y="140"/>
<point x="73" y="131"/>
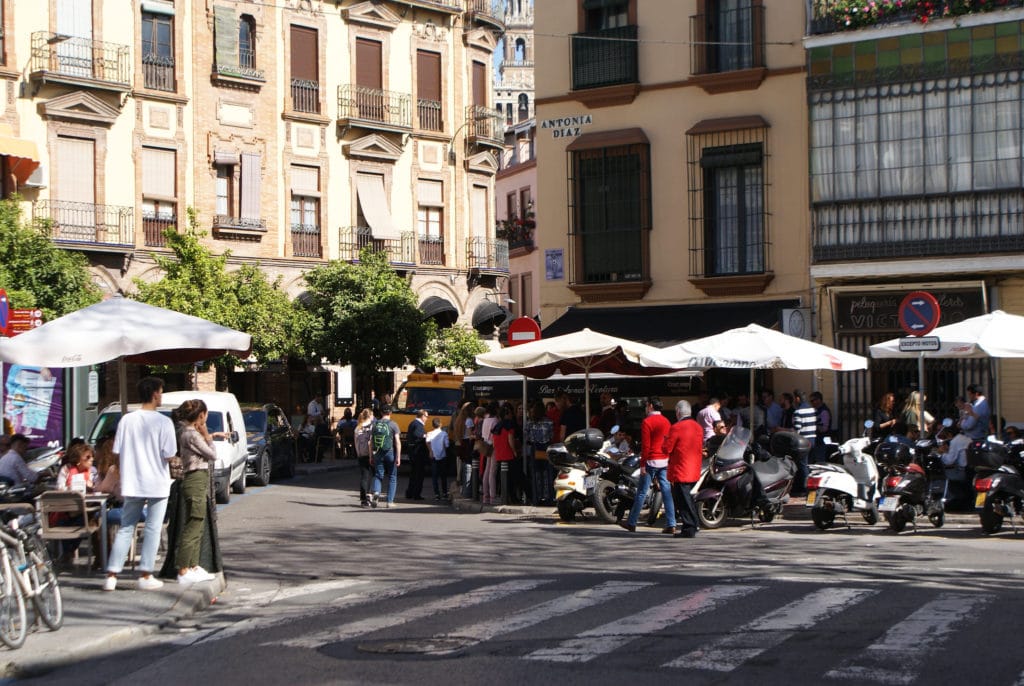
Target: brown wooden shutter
<point x="251" y="174"/>
<point x="304" y="54"/>
<point x="479" y="83"/>
<point x="428" y="75"/>
<point x="368" y="63"/>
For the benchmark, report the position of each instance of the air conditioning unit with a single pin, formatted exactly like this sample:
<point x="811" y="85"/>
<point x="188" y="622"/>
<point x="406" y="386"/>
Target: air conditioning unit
<point x="797" y="322"/>
<point x="37" y="179"/>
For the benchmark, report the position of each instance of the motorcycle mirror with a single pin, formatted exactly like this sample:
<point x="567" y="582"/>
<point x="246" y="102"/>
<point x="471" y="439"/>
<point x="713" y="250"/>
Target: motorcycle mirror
<point x="614" y="430"/>
<point x="869" y="423"/>
<point x="827" y="440"/>
<point x="947" y="422"/>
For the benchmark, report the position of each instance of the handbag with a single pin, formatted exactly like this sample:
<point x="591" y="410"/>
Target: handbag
<point x="176" y="468"/>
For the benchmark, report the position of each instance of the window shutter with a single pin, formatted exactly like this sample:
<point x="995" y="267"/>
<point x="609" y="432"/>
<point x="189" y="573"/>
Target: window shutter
<point x="368" y="63"/>
<point x="306" y="181"/>
<point x="250" y="186"/>
<point x="479" y="84"/>
<point x="158" y="174"/>
<point x="428" y="75"/>
<point x="304" y="54"/>
<point x="430" y="193"/>
<point x="225" y="41"/>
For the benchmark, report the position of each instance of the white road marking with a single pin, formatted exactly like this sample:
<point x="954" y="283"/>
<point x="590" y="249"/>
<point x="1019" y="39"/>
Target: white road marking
<point x="896" y="657"/>
<point x="586" y="647"/>
<point x="371" y="624"/>
<point x="483" y="631"/>
<point x="281" y="594"/>
<point x="771" y="630"/>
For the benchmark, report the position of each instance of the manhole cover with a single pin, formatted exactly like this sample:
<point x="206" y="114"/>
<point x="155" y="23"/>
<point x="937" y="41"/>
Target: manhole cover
<point x="420" y="647"/>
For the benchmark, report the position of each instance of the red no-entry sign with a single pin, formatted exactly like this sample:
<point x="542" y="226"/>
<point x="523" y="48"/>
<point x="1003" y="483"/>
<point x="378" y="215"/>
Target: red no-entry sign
<point x="523" y="330"/>
<point x="919" y="313"/>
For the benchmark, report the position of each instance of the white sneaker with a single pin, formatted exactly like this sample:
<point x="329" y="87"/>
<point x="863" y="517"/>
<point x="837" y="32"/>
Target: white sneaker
<point x="149" y="583"/>
<point x="188" y="578"/>
<point x="110" y="583"/>
<point x="202" y="574"/>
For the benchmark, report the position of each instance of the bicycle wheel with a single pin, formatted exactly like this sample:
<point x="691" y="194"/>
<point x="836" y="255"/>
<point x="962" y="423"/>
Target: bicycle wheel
<point x="13" y="625"/>
<point x="46" y="592"/>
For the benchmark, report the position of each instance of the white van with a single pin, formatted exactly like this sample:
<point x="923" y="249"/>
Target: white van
<point x="224" y="415"/>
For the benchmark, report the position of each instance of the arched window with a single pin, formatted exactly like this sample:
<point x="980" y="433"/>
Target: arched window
<point x="247" y="41"/>
<point x="508" y="113"/>
<point x="520" y="50"/>
<point x="524" y="107"/>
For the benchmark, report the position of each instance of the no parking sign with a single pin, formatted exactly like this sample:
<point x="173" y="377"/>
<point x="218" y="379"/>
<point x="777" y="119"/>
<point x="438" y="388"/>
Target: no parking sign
<point x="919" y="313"/>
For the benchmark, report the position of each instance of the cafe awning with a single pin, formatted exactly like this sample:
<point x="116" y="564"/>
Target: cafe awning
<point x="488" y="315"/>
<point x="442" y="310"/>
<point x="374" y="203"/>
<point x="22" y="155"/>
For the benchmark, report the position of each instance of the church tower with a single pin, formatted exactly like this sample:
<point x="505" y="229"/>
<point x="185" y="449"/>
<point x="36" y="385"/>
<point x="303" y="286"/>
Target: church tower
<point x="514" y="87"/>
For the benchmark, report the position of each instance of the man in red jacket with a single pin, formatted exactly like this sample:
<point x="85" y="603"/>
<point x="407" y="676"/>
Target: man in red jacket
<point x="653" y="465"/>
<point x="683" y="445"/>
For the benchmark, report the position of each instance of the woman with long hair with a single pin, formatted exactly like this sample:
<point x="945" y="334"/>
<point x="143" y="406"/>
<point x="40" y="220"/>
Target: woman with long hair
<point x="913" y="408"/>
<point x="885" y="416"/>
<point x="460" y="434"/>
<point x="361" y="438"/>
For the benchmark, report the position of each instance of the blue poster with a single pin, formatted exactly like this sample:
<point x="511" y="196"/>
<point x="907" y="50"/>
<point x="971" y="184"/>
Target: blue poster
<point x="554" y="269"/>
<point x="33" y="402"/>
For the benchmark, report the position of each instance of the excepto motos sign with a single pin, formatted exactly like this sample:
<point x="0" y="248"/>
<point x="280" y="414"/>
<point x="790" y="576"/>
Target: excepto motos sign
<point x="567" y="127"/>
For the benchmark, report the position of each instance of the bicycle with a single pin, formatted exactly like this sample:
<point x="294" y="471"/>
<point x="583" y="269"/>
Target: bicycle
<point x="26" y="566"/>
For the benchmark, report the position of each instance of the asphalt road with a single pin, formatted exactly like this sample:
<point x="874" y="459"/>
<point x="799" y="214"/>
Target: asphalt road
<point x="322" y="591"/>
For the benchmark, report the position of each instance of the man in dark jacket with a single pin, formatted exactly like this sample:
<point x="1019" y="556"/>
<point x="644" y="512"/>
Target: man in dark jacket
<point x="416" y="437"/>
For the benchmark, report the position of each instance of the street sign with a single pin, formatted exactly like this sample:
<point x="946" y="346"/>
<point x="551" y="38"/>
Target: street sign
<point x="919" y="313"/>
<point x="919" y="344"/>
<point x="523" y="330"/>
<point x="22" y="320"/>
<point x="5" y="312"/>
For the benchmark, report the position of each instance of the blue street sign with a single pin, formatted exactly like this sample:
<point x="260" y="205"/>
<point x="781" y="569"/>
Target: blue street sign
<point x="919" y="313"/>
<point x="5" y="312"/>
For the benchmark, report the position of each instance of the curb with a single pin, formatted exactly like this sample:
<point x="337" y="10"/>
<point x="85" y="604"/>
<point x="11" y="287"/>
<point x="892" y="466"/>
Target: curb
<point x="187" y="604"/>
<point x="308" y="468"/>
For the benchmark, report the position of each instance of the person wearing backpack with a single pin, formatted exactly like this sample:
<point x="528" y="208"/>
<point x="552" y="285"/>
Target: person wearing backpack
<point x="361" y="437"/>
<point x="386" y="455"/>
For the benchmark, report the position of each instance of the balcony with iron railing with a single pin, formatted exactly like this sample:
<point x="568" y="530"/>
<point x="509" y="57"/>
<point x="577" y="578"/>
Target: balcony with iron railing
<point x="59" y="58"/>
<point x="487" y="11"/>
<point x="306" y="241"/>
<point x="373" y="108"/>
<point x="158" y="72"/>
<point x="431" y="250"/>
<point x="487" y="254"/>
<point x="87" y="224"/>
<point x="243" y="68"/>
<point x="306" y="96"/>
<point x="429" y="115"/>
<point x="484" y="126"/>
<point x="225" y="222"/>
<point x="831" y="16"/>
<point x="154" y="226"/>
<point x="607" y="57"/>
<point x="352" y="239"/>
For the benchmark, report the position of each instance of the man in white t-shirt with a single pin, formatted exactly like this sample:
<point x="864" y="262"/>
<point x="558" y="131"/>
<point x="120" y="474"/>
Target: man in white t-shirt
<point x="145" y="441"/>
<point x="314" y="408"/>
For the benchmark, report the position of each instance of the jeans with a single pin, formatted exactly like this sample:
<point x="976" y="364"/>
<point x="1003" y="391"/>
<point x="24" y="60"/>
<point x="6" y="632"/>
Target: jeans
<point x="543" y="481"/>
<point x="385" y="464"/>
<point x="661" y="474"/>
<point x="437" y="473"/>
<point x="130" y="516"/>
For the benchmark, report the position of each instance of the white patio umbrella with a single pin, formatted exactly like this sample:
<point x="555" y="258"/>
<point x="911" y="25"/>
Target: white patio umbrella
<point x="125" y="330"/>
<point x="753" y="347"/>
<point x="583" y="352"/>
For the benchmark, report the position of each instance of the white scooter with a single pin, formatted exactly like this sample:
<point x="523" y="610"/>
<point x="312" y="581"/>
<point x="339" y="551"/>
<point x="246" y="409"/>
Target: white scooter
<point x="854" y="487"/>
<point x="576" y="480"/>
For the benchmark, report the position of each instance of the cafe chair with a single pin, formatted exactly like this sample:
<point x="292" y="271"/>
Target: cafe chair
<point x="64" y="515"/>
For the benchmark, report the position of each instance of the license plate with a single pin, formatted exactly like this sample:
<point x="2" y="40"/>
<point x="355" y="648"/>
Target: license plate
<point x="888" y="504"/>
<point x="811" y="495"/>
<point x="590" y="482"/>
<point x="979" y="500"/>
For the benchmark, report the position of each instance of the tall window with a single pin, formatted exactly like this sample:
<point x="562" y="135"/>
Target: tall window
<point x="611" y="192"/>
<point x="524" y="107"/>
<point x="305" y="211"/>
<point x="159" y="198"/>
<point x="428" y="90"/>
<point x="247" y="41"/>
<point x="225" y="204"/>
<point x="605" y="52"/>
<point x="733" y="210"/>
<point x="305" y="69"/>
<point x="605" y="14"/>
<point x="235" y="44"/>
<point x="158" y="51"/>
<point x="525" y="203"/>
<point x="430" y="221"/>
<point x="727" y="35"/>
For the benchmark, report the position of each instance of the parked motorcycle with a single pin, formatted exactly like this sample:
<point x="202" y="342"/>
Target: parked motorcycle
<point x="853" y="487"/>
<point x="998" y="481"/>
<point x="915" y="484"/>
<point x="729" y="489"/>
<point x="616" y="489"/>
<point x="578" y="473"/>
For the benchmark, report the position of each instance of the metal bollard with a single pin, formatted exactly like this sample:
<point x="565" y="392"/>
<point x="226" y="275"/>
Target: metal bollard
<point x="505" y="499"/>
<point x="475" y="477"/>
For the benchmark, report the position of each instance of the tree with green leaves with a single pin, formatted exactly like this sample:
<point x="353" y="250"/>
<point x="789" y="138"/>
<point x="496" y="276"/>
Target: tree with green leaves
<point x="364" y="314"/>
<point x="37" y="273"/>
<point x="454" y="347"/>
<point x="197" y="282"/>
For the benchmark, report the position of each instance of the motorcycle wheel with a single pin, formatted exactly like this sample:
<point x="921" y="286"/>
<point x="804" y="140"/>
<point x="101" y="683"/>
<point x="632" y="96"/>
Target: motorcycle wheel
<point x="566" y="510"/>
<point x="937" y="519"/>
<point x="765" y="515"/>
<point x="605" y="501"/>
<point x="655" y="511"/>
<point x="711" y="513"/>
<point x="991" y="521"/>
<point x="822" y="518"/>
<point x="897" y="521"/>
<point x="870" y="515"/>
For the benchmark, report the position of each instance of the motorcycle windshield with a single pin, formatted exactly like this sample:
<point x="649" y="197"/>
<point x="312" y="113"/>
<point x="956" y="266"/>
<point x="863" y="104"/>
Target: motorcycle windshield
<point x="734" y="445"/>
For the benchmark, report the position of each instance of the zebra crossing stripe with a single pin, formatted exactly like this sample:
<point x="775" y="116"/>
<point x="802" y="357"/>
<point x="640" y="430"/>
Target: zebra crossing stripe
<point x="466" y="637"/>
<point x="771" y="630"/>
<point x="604" y="639"/>
<point x="370" y="624"/>
<point x="282" y="594"/>
<point x="896" y="658"/>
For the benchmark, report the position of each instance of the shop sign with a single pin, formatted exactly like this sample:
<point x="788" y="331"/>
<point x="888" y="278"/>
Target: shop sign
<point x="879" y="311"/>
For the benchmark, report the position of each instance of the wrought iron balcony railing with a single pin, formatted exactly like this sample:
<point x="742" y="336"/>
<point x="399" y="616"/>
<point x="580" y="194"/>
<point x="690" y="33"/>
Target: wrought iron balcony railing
<point x="429" y="115"/>
<point x="243" y="68"/>
<point x="153" y="227"/>
<point x="158" y="72"/>
<point x="60" y="57"/>
<point x="370" y="106"/>
<point x="223" y="221"/>
<point x="306" y="241"/>
<point x="487" y="253"/>
<point x="490" y="11"/>
<point x="82" y="222"/>
<point x="431" y="250"/>
<point x="353" y="239"/>
<point x="604" y="58"/>
<point x="306" y="96"/>
<point x="484" y="125"/>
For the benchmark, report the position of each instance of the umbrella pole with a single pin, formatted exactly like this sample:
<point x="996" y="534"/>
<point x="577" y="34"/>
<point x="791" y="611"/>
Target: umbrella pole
<point x="122" y="384"/>
<point x="586" y="396"/>
<point x="920" y="390"/>
<point x="750" y="407"/>
<point x="525" y="437"/>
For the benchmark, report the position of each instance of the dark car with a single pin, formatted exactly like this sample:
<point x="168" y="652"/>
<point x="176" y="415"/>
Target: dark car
<point x="271" y="443"/>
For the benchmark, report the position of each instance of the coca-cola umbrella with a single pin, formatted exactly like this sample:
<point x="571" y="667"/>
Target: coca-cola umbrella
<point x="583" y="352"/>
<point x="127" y="331"/>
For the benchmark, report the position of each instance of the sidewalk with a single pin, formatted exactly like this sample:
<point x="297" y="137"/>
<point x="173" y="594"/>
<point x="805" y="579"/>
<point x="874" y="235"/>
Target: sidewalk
<point x="96" y="622"/>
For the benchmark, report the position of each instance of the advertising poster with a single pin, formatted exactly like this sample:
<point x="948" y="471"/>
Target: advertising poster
<point x="33" y="403"/>
<point x="553" y="265"/>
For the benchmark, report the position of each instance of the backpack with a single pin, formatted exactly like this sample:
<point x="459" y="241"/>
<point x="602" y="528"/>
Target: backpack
<point x="381" y="437"/>
<point x="362" y="440"/>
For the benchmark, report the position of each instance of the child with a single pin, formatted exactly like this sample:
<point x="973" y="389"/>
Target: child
<point x="437" y="447"/>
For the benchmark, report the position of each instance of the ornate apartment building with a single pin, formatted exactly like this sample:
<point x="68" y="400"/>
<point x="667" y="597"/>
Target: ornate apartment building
<point x="300" y="131"/>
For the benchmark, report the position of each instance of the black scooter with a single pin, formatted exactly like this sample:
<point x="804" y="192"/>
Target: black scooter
<point x="998" y="482"/>
<point x="913" y="487"/>
<point x="744" y="479"/>
<point x="616" y="489"/>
